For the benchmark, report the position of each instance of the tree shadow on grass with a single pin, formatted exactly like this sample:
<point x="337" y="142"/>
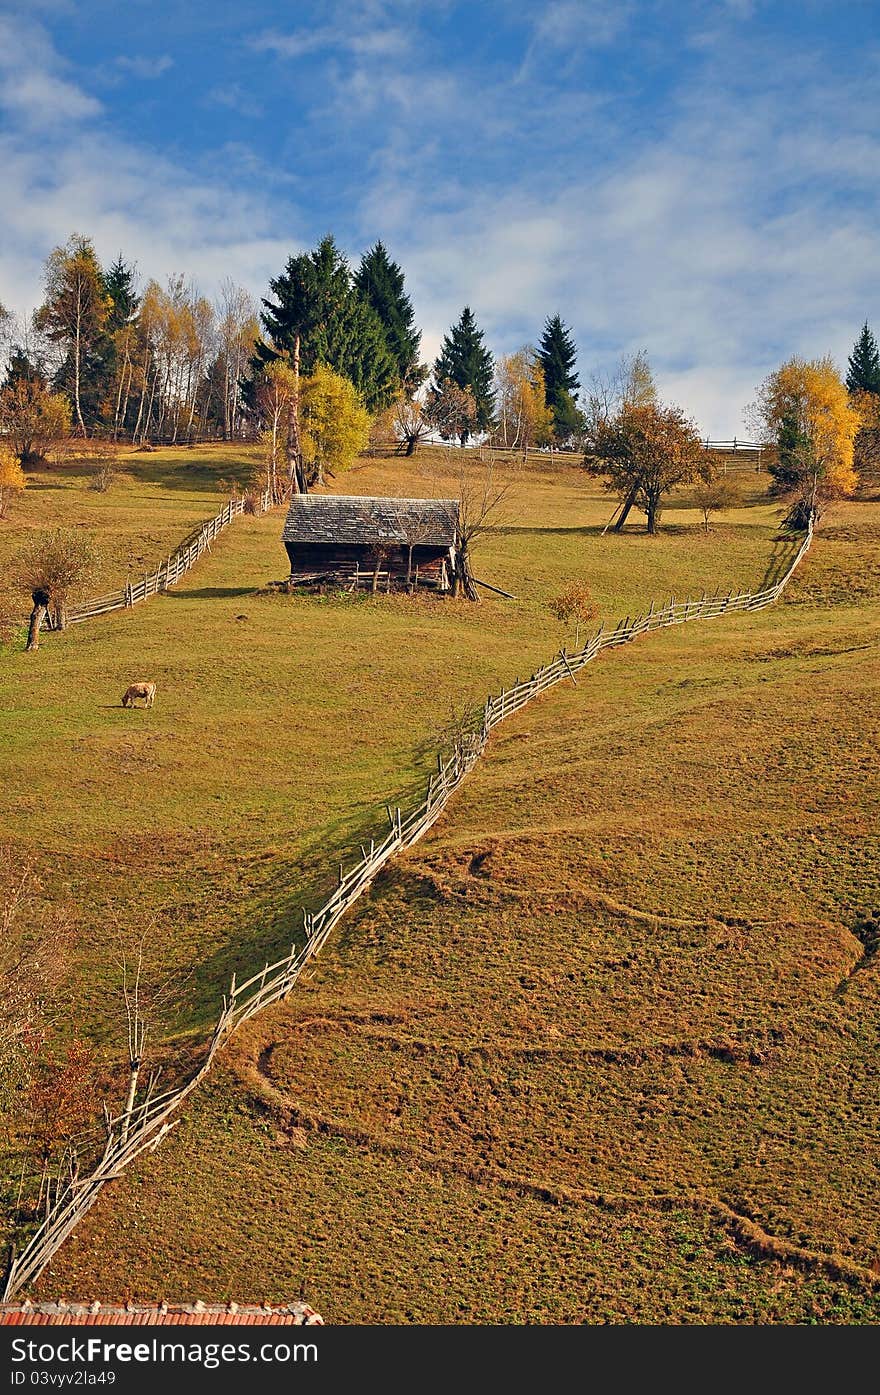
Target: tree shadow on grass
<point x="210" y="593"/>
<point x="189" y="473"/>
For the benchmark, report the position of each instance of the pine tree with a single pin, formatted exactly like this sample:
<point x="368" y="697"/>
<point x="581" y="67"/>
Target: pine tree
<point x="22" y="368"/>
<point x="557" y="355"/>
<point x="465" y="361"/>
<point x="317" y="304"/>
<point x="569" y="422"/>
<point x="863" y="374"/>
<point x="102" y="371"/>
<point x="380" y="282"/>
<point x="119" y="285"/>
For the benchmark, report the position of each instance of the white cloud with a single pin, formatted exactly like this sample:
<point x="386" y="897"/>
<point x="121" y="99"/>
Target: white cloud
<point x="382" y="41"/>
<point x="146" y="68"/>
<point x="727" y="242"/>
<point x="293" y="45"/>
<point x="736" y="229"/>
<point x="71" y="174"/>
<point x="33" y="89"/>
<point x="236" y="98"/>
<point x="594" y="24"/>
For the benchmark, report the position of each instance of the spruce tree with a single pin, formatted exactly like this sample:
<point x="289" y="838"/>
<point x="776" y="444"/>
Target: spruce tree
<point x="863" y="374"/>
<point x="793" y="450"/>
<point x="317" y="303"/>
<point x="101" y="371"/>
<point x="119" y="285"/>
<point x="557" y="356"/>
<point x="569" y="422"/>
<point x="465" y="361"/>
<point x="380" y="282"/>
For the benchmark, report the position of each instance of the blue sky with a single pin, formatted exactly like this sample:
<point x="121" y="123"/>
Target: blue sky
<point x="698" y="178"/>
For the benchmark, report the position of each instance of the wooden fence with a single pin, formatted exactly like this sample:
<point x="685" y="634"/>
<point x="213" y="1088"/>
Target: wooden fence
<point x="142" y="1128"/>
<point x="168" y="572"/>
<point x="734" y="453"/>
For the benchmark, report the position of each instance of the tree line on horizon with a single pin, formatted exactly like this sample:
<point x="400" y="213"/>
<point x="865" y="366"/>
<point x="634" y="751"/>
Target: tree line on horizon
<point x="333" y="354"/>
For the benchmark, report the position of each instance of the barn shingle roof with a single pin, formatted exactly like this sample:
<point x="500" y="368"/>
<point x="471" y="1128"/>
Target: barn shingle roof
<point x="352" y="518"/>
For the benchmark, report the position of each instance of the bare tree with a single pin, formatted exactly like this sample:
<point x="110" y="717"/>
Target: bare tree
<point x="411" y="426"/>
<point x="451" y="410"/>
<point x="715" y="492"/>
<point x="629" y="384"/>
<point x="145" y="998"/>
<point x="237" y="331"/>
<point x="481" y="496"/>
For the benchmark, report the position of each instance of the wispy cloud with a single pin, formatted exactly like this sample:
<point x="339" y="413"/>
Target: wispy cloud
<point x="379" y="42"/>
<point x="692" y="208"/>
<point x="595" y="24"/>
<point x="128" y="198"/>
<point x="33" y="86"/>
<point x="143" y="67"/>
<point x="236" y="98"/>
<point x="722" y="242"/>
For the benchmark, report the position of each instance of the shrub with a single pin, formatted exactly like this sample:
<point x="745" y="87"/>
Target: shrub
<point x="576" y="604"/>
<point x="55" y="566"/>
<point x="715" y="494"/>
<point x="12" y="479"/>
<point x="105" y="478"/>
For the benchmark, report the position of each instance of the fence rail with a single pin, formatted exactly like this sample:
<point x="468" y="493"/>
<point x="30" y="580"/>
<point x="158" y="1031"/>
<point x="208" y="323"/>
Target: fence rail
<point x="168" y="572"/>
<point x="143" y="1127"/>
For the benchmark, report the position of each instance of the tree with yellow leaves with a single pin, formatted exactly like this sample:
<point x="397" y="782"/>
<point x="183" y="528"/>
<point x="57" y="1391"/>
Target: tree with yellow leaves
<point x="523" y="416"/>
<point x="335" y="428"/>
<point x="866" y="453"/>
<point x="32" y="419"/>
<point x="275" y="392"/>
<point x="810" y="425"/>
<point x="12" y="479"/>
<point x="75" y="310"/>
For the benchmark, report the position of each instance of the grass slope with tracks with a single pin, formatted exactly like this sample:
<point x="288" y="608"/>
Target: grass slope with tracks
<point x="600" y="1049"/>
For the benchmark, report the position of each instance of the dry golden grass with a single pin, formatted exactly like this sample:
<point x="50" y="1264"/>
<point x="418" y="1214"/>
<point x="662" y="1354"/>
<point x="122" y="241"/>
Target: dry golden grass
<point x="602" y="1048"/>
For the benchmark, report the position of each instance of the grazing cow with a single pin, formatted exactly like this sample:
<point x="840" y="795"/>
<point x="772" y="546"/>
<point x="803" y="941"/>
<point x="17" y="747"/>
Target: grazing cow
<point x="147" y="691"/>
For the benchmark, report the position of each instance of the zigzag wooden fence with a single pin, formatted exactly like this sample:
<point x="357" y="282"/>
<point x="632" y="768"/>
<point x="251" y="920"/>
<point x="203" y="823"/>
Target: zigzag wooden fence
<point x="168" y="571"/>
<point x="70" y="1195"/>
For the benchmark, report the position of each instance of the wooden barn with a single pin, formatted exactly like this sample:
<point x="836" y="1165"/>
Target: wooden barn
<point x="372" y="544"/>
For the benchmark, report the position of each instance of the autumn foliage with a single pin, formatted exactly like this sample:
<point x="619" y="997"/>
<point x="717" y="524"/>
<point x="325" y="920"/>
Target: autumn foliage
<point x="811" y="422"/>
<point x="12" y="479"/>
<point x="335" y="426"/>
<point x="523" y="418"/>
<point x="643" y="453"/>
<point x="575" y="605"/>
<point x="33" y="420"/>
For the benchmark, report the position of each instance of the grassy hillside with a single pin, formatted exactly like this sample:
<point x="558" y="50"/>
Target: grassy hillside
<point x="155" y="499"/>
<point x="599" y="1049"/>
